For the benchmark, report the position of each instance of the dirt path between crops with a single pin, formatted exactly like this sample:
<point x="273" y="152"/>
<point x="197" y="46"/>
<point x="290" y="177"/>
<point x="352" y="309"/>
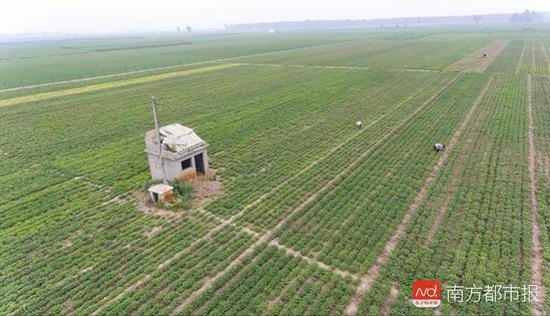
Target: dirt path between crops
<point x="288" y="250"/>
<point x="536" y="251"/>
<point x="333" y="67"/>
<point x="459" y="167"/>
<point x="161" y="266"/>
<point x="545" y="52"/>
<point x="231" y="220"/>
<point x="520" y="59"/>
<point x="474" y="63"/>
<point x="320" y="264"/>
<point x="206" y="285"/>
<point x="302" y="66"/>
<point x="126" y="73"/>
<point x="372" y="274"/>
<point x="268" y="235"/>
<point x="327" y="154"/>
<point x="385" y="310"/>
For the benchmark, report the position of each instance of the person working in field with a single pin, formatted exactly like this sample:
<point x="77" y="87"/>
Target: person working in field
<point x="438" y="147"/>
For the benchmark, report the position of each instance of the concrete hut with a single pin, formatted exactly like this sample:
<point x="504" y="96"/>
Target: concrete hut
<point x="176" y="148"/>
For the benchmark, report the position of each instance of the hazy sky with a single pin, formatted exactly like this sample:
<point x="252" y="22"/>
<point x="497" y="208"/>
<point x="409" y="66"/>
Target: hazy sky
<point x="19" y="16"/>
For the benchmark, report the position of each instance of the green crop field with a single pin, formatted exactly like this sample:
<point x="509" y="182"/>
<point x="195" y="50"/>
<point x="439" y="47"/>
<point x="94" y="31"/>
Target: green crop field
<point x="316" y="217"/>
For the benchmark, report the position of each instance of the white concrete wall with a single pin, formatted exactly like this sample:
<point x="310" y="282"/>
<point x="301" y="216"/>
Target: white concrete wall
<point x="156" y="173"/>
<point x="173" y="167"/>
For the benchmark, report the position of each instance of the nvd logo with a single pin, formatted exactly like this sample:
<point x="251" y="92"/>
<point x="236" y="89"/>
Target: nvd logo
<point x="426" y="293"/>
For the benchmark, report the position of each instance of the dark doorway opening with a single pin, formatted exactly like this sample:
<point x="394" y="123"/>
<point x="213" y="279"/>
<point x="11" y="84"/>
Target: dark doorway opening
<point x="155" y="197"/>
<point x="199" y="163"/>
<point x="186" y="164"/>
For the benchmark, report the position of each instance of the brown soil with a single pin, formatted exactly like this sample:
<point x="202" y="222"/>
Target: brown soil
<point x="320" y="264"/>
<point x="439" y="216"/>
<point x="67" y="243"/>
<point x="69" y="306"/>
<point x="536" y="247"/>
<point x="392" y="297"/>
<point x="152" y="232"/>
<point x="204" y="190"/>
<point x="210" y="281"/>
<point x="547" y="168"/>
<point x="145" y="205"/>
<point x="473" y="62"/>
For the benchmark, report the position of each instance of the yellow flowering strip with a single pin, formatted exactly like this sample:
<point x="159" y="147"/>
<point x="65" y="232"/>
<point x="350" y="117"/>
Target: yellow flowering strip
<point x="111" y="85"/>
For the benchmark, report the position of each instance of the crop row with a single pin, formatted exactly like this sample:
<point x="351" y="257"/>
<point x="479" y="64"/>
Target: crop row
<point x="348" y="226"/>
<point x="82" y="253"/>
<point x="510" y="59"/>
<point x="541" y="135"/>
<point x="413" y="54"/>
<point x="77" y="253"/>
<point x="535" y="58"/>
<point x="254" y="136"/>
<point x="268" y="213"/>
<point x="52" y="61"/>
<point x="279" y="155"/>
<point x="271" y="282"/>
<point x="168" y="287"/>
<point x="481" y="197"/>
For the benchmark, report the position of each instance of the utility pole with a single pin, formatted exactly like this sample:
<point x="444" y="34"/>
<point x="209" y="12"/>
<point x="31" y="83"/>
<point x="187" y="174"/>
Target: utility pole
<point x="160" y="162"/>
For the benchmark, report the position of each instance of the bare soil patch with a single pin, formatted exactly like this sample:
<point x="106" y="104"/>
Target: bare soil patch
<point x="152" y="232"/>
<point x="88" y="269"/>
<point x="204" y="190"/>
<point x="146" y="206"/>
<point x="69" y="306"/>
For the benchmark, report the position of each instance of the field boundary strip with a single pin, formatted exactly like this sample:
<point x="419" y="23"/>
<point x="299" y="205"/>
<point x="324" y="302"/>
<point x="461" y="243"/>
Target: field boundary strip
<point x="536" y="245"/>
<point x="473" y="62"/>
<point x="288" y="250"/>
<point x="338" y="67"/>
<point x="302" y="66"/>
<point x="467" y="147"/>
<point x="266" y="237"/>
<point x="111" y="85"/>
<point x="374" y="270"/>
<point x="126" y="73"/>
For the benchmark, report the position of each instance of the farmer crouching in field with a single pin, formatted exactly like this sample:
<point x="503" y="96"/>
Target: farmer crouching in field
<point x="438" y="147"/>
